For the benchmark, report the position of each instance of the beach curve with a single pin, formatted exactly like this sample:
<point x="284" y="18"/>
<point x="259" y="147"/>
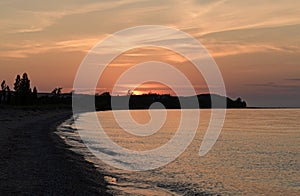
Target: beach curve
<point x="34" y="160"/>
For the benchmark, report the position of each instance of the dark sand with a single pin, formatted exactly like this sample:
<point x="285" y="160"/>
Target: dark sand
<point x="35" y="161"/>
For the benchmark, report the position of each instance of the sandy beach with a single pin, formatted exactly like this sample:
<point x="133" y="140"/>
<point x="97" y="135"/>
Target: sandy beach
<point x="36" y="161"/>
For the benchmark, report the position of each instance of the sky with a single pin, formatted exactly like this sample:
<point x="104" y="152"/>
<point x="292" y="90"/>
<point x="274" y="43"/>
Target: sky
<point x="256" y="44"/>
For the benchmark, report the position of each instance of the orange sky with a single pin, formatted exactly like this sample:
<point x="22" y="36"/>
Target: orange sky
<point x="256" y="44"/>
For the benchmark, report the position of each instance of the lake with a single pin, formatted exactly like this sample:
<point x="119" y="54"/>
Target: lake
<point x="257" y="153"/>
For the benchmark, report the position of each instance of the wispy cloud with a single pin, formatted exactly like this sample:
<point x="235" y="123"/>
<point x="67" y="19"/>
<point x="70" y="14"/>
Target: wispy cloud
<point x="232" y="15"/>
<point x="219" y="49"/>
<point x="28" y="48"/>
<point x="274" y="85"/>
<point x="36" y="20"/>
<point x="200" y="18"/>
<point x="293" y="79"/>
<point x="216" y="49"/>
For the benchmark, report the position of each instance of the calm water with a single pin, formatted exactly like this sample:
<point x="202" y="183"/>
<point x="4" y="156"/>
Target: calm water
<point x="257" y="153"/>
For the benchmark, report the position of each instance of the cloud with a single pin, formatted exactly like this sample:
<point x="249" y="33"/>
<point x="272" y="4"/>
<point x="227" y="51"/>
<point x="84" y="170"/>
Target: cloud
<point x="235" y="14"/>
<point x="35" y="20"/>
<point x="274" y="85"/>
<point x="216" y="49"/>
<point x="27" y="48"/>
<point x="220" y="49"/>
<point x="293" y="79"/>
<point x="224" y="27"/>
<point x="206" y="16"/>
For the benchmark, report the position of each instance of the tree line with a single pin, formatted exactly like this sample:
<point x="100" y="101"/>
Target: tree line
<point x="23" y="94"/>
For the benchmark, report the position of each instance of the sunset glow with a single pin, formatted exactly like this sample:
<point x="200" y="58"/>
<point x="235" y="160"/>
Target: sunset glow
<point x="152" y="88"/>
<point x="256" y="45"/>
<point x="150" y="97"/>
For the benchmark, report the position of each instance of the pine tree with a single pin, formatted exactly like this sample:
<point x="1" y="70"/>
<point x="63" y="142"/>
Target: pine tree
<point x="8" y="100"/>
<point x="17" y="83"/>
<point x="3" y="92"/>
<point x="34" y="94"/>
<point x="25" y="90"/>
<point x="22" y="89"/>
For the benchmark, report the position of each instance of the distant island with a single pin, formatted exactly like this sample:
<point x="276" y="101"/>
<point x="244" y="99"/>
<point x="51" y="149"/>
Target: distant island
<point x="23" y="95"/>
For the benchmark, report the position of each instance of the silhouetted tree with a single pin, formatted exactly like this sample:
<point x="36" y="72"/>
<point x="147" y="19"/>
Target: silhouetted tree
<point x="56" y="92"/>
<point x="3" y="92"/>
<point x="105" y="94"/>
<point x="59" y="91"/>
<point x="3" y="85"/>
<point x="8" y="100"/>
<point x="17" y="90"/>
<point x="56" y="98"/>
<point x="25" y="84"/>
<point x="17" y="83"/>
<point x="239" y="103"/>
<point x="34" y="94"/>
<point x="129" y="92"/>
<point x="22" y="89"/>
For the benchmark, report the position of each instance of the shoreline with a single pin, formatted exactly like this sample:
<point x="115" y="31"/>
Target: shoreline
<point x="246" y="108"/>
<point x="35" y="160"/>
<point x="116" y="183"/>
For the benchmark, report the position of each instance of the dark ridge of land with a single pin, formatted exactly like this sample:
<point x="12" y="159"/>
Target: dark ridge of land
<point x="103" y="102"/>
<point x="35" y="161"/>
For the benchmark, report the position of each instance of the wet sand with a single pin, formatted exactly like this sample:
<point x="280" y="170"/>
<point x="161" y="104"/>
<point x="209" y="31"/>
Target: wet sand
<point x="35" y="161"/>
